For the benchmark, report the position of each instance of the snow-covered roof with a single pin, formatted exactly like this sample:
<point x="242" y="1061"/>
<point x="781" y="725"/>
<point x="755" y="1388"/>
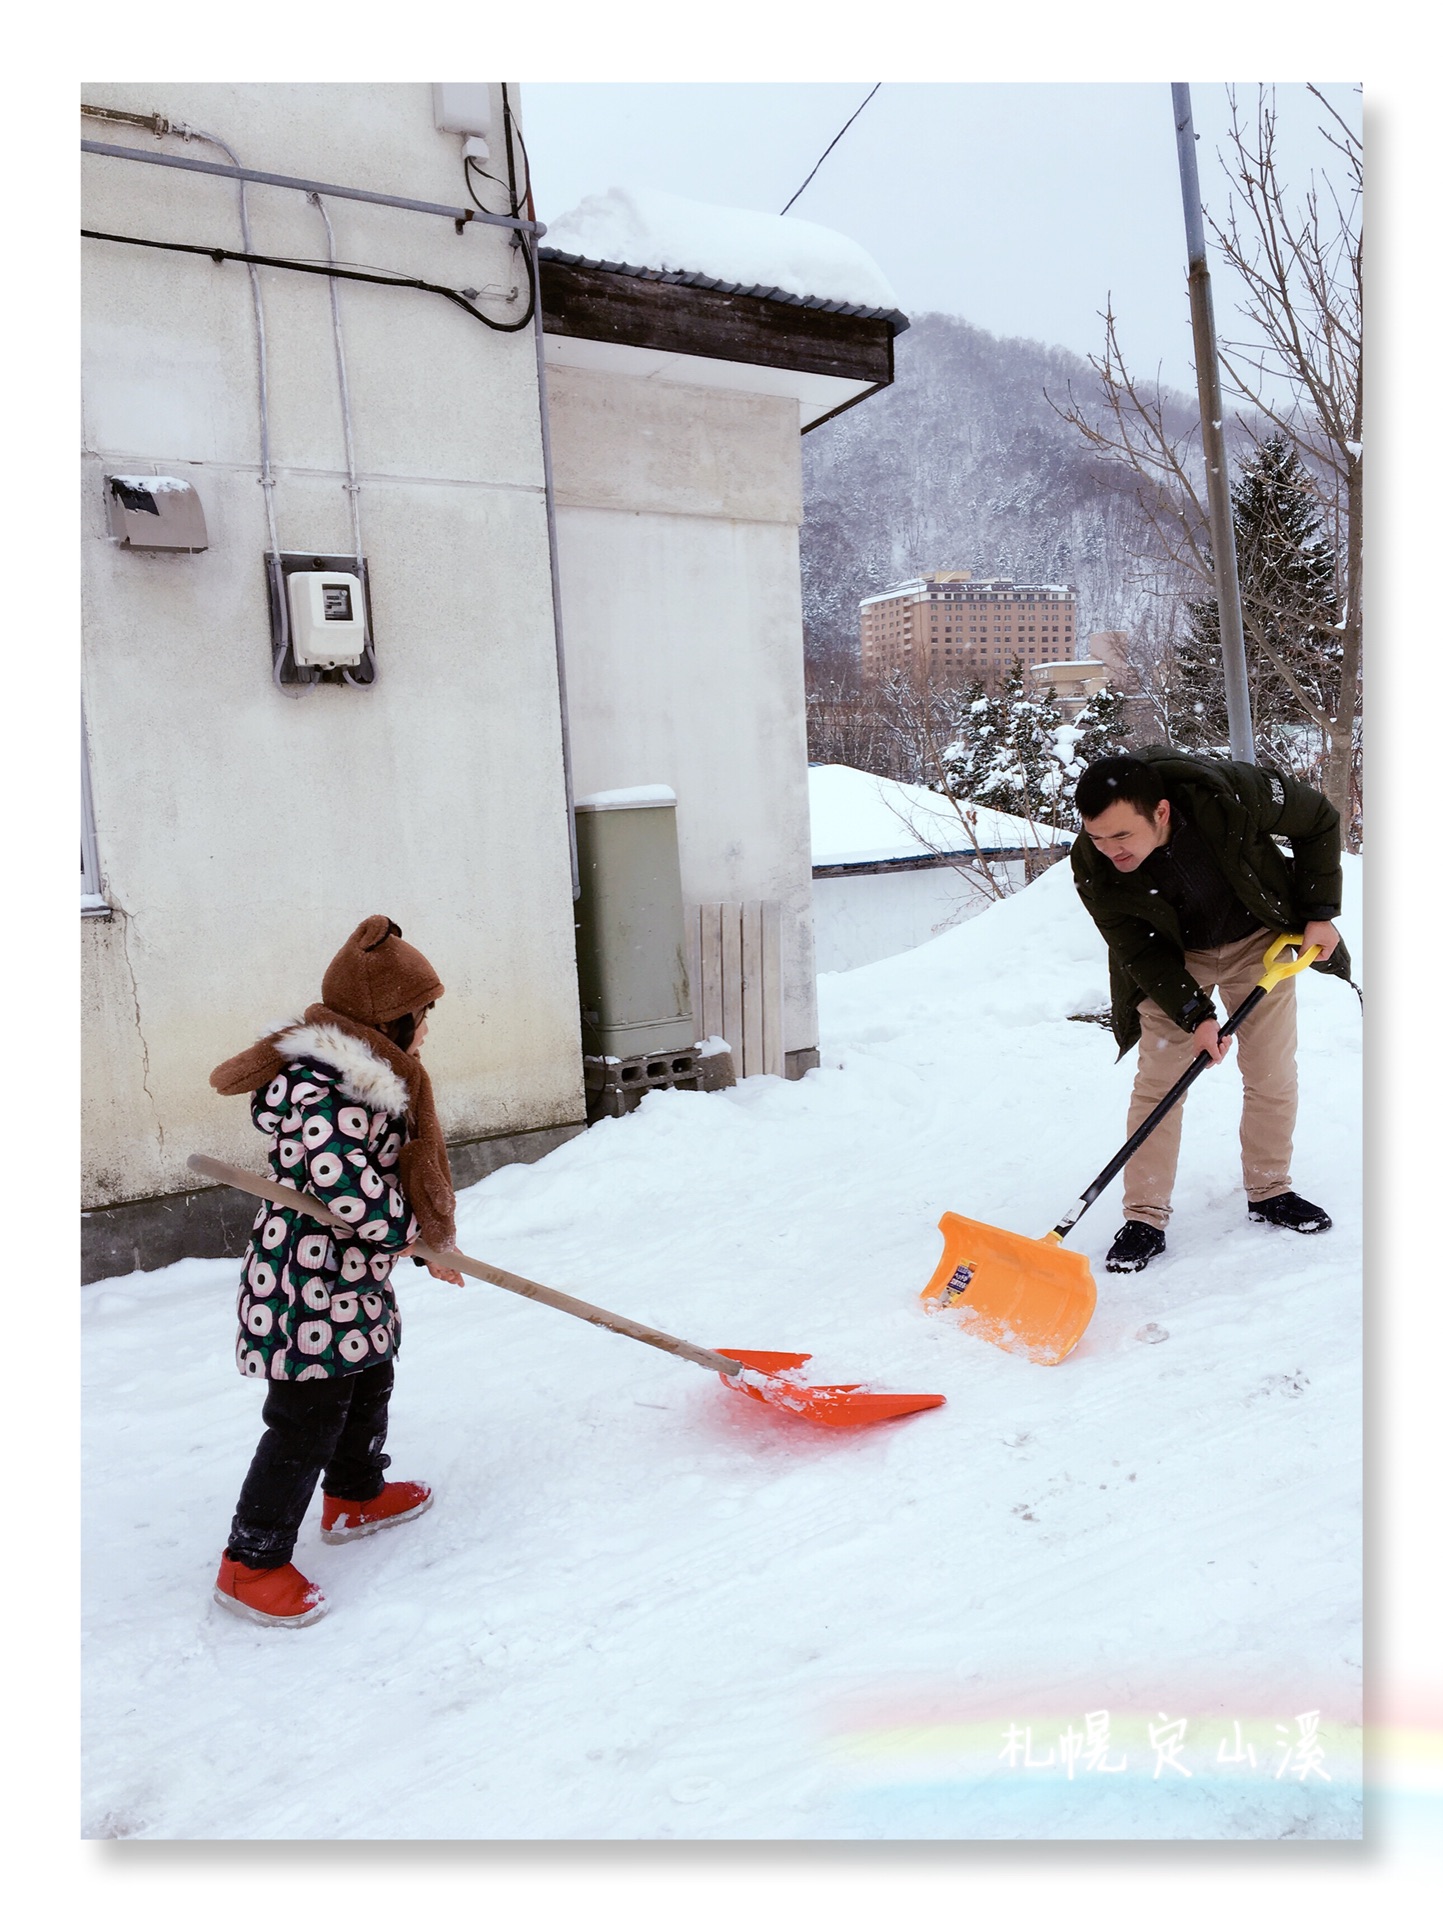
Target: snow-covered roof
<point x="661" y="236"/>
<point x="953" y="584"/>
<point x="893" y="593"/>
<point x="860" y="818"/>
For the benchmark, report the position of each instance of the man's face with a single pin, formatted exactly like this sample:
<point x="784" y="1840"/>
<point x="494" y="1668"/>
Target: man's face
<point x="1126" y="836"/>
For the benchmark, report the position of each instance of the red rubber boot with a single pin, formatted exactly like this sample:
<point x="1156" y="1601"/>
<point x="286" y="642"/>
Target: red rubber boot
<point x="398" y="1500"/>
<point x="271" y="1596"/>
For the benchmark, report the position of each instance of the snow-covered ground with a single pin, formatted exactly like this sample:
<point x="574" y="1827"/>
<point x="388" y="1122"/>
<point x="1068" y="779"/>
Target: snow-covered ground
<point x="645" y="1608"/>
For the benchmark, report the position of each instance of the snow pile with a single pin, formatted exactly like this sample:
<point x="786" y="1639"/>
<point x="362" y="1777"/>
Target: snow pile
<point x="1116" y="1598"/>
<point x="642" y="227"/>
<point x="859" y="817"/>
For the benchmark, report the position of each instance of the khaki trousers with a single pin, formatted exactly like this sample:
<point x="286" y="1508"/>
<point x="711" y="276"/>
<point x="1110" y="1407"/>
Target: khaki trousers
<point x="1266" y="1045"/>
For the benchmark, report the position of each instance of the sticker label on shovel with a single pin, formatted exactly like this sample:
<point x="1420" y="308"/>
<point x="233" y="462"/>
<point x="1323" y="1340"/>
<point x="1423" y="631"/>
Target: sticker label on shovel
<point x="958" y="1284"/>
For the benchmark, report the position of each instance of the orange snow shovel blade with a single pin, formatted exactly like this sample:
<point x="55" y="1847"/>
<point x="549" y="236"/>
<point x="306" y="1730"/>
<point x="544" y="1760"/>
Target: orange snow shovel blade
<point x="1033" y="1297"/>
<point x="829" y="1406"/>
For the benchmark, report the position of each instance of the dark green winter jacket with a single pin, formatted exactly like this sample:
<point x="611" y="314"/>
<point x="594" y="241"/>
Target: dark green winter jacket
<point x="1238" y="810"/>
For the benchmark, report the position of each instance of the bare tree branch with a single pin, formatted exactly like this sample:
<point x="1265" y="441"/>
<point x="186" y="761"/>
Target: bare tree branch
<point x="1298" y="262"/>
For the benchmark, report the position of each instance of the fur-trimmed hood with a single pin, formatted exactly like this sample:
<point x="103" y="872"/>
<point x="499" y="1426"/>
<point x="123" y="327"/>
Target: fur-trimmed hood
<point x="378" y="1074"/>
<point x="364" y="1075"/>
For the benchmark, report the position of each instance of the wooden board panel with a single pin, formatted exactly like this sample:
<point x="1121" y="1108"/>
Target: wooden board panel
<point x="735" y="955"/>
<point x="753" y="1035"/>
<point x="709" y="942"/>
<point x="590" y="303"/>
<point x="731" y="978"/>
<point x="774" y="1059"/>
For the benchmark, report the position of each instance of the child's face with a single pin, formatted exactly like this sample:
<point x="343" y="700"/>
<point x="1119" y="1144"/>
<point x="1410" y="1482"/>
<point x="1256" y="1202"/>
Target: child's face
<point x="419" y="1037"/>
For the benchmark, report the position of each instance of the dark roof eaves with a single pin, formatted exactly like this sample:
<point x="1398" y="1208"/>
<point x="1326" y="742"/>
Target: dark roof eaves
<point x="896" y="319"/>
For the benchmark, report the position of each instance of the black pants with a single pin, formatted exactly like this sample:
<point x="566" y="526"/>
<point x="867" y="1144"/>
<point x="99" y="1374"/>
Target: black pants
<point x="336" y="1427"/>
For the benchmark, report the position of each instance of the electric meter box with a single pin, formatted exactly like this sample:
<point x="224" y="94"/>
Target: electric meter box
<point x="328" y="619"/>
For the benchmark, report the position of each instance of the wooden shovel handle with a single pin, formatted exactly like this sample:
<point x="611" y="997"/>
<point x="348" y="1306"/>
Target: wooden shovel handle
<point x="315" y="1209"/>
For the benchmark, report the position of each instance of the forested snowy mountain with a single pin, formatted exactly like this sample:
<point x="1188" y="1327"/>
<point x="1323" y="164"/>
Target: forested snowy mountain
<point x="964" y="463"/>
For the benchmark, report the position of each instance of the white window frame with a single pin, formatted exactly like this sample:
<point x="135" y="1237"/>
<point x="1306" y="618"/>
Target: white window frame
<point x="93" y="902"/>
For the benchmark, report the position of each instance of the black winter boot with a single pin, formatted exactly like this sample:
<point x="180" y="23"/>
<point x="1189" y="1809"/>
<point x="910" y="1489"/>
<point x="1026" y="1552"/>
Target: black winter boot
<point x="1289" y="1210"/>
<point x="1135" y="1245"/>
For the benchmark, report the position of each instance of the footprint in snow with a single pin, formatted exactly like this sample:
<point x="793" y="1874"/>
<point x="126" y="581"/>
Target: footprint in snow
<point x="1291" y="1384"/>
<point x="689" y="1791"/>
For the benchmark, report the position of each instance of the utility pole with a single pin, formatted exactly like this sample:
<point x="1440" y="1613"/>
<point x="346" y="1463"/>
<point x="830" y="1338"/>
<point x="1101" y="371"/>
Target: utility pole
<point x="1210" y="404"/>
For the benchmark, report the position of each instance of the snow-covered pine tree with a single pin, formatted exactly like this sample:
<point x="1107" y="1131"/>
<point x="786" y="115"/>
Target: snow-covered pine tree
<point x="1014" y="751"/>
<point x="1286" y="574"/>
<point x="1103" y="726"/>
<point x="1098" y="730"/>
<point x="968" y="757"/>
<point x="1004" y="751"/>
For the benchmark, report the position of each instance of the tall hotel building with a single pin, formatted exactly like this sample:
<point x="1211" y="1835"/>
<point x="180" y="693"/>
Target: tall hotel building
<point x="950" y="628"/>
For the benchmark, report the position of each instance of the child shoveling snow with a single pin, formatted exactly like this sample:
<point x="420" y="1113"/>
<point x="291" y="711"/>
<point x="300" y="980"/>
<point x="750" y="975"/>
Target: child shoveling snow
<point x="349" y="1113"/>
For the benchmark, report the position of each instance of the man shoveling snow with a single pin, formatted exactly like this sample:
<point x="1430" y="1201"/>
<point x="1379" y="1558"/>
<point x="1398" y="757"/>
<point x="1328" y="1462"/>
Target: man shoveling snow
<point x="1178" y="866"/>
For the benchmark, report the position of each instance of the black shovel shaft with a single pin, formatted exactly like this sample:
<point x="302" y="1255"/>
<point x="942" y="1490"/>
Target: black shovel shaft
<point x="1159" y="1113"/>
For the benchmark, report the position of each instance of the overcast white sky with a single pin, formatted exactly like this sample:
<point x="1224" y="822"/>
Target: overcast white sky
<point x="1020" y="207"/>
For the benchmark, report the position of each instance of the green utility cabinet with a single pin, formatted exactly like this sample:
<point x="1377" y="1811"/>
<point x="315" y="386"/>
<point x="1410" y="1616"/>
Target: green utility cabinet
<point x="630" y="927"/>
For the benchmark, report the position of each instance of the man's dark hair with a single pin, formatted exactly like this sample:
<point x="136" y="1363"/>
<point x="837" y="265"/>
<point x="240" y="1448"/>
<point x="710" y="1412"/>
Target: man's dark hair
<point x="1119" y="778"/>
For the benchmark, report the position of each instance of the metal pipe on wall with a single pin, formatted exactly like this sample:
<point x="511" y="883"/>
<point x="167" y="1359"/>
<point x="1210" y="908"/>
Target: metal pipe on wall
<point x="463" y="216"/>
<point x="549" y="487"/>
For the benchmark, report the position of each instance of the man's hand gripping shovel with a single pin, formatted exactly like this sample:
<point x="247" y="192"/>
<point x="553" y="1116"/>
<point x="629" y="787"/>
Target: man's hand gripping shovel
<point x="1035" y="1297"/>
<point x="766" y="1376"/>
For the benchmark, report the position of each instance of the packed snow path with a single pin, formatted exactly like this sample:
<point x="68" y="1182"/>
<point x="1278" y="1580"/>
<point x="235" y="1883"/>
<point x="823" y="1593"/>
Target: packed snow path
<point x="644" y="1607"/>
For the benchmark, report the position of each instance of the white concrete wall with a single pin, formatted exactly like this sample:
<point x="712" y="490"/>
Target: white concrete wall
<point x="678" y="510"/>
<point x="862" y="917"/>
<point x="243" y="834"/>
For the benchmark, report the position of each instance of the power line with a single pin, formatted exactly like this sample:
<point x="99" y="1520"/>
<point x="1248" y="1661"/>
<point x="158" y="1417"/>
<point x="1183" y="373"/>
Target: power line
<point x="813" y="174"/>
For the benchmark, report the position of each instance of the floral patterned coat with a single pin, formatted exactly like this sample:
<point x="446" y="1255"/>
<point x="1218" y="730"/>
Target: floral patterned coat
<point x="318" y="1301"/>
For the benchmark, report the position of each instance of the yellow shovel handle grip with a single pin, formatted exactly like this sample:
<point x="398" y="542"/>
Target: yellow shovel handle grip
<point x="1277" y="969"/>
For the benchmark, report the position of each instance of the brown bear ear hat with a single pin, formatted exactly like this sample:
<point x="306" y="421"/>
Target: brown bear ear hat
<point x="376" y="977"/>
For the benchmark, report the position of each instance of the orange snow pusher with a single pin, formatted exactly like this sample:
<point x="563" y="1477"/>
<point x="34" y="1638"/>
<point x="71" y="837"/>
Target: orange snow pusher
<point x="1035" y="1297"/>
<point x="766" y="1376"/>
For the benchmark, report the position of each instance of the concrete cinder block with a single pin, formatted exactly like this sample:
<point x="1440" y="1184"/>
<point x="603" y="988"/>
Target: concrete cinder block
<point x="614" y="1087"/>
